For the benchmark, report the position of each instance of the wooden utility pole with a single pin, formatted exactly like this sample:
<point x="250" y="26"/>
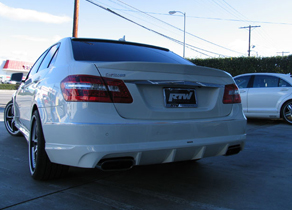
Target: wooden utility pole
<point x="75" y="19"/>
<point x="249" y="37"/>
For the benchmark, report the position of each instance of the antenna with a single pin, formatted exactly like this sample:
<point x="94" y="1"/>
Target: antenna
<point x="123" y="39"/>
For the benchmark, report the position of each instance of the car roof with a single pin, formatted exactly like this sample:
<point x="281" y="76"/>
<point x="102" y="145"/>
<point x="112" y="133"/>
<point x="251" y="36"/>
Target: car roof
<point x="266" y="73"/>
<point x="283" y="76"/>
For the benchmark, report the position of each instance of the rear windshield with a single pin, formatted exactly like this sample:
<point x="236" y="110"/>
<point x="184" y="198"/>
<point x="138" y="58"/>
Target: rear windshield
<point x="112" y="51"/>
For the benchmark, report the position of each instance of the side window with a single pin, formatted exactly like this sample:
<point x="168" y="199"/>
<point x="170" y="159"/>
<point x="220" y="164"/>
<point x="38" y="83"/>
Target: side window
<point x="36" y="65"/>
<point x="283" y="83"/>
<point x="242" y="82"/>
<point x="49" y="57"/>
<point x="54" y="58"/>
<point x="261" y="81"/>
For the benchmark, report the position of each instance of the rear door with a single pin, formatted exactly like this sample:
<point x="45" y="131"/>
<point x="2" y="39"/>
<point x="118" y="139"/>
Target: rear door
<point x="28" y="90"/>
<point x="243" y="85"/>
<point x="265" y="94"/>
<point x="170" y="91"/>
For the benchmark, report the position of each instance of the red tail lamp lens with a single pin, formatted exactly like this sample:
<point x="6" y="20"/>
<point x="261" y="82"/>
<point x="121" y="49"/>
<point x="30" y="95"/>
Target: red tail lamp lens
<point x="95" y="89"/>
<point x="231" y="94"/>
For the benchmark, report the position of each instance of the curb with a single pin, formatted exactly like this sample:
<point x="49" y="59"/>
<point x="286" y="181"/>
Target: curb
<point x="7" y="91"/>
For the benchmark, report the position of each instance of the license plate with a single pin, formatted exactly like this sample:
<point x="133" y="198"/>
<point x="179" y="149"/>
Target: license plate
<point x="179" y="97"/>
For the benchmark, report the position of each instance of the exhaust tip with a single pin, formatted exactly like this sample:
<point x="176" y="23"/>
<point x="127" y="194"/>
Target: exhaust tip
<point x="232" y="150"/>
<point x="116" y="164"/>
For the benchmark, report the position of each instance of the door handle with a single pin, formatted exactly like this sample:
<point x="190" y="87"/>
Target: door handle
<point x="242" y="91"/>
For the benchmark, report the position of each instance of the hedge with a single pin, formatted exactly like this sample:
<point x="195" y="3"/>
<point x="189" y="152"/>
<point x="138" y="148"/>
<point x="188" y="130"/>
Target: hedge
<point x="8" y="87"/>
<point x="235" y="66"/>
<point x="241" y="65"/>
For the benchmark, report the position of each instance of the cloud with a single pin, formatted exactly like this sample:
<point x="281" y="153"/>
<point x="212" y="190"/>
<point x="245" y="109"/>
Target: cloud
<point x="30" y="38"/>
<point x="31" y="51"/>
<point x="15" y="55"/>
<point x="57" y="38"/>
<point x="239" y="45"/>
<point x="53" y="39"/>
<point x="31" y="15"/>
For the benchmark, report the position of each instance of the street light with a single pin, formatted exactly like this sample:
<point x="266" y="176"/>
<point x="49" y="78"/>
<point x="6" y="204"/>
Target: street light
<point x="173" y="12"/>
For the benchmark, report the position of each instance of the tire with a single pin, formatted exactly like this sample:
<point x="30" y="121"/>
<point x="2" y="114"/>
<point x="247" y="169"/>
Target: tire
<point x="286" y="112"/>
<point x="41" y="168"/>
<point x="9" y="120"/>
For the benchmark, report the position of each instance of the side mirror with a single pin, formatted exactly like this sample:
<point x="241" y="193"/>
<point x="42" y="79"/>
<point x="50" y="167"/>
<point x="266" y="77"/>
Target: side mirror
<point x="17" y="77"/>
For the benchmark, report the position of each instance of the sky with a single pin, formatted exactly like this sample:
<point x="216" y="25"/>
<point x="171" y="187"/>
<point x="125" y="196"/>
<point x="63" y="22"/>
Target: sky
<point x="214" y="28"/>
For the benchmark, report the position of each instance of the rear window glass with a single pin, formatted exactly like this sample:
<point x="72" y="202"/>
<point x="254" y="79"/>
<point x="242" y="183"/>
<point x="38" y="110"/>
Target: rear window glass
<point x="110" y="51"/>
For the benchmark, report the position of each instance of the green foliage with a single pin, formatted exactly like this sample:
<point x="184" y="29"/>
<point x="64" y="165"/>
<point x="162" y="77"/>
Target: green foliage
<point x="241" y="65"/>
<point x="8" y="86"/>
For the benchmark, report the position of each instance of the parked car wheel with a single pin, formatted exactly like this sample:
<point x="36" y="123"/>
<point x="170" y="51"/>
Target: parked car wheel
<point x="41" y="168"/>
<point x="287" y="112"/>
<point x="9" y="120"/>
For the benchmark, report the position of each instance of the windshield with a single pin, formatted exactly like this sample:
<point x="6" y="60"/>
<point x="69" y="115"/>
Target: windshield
<point x="115" y="51"/>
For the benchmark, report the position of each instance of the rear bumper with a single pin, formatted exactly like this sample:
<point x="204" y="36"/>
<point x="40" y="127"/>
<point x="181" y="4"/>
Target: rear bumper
<point x="88" y="156"/>
<point x="84" y="145"/>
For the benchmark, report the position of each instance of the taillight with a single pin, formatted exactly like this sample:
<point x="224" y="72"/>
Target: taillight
<point x="231" y="94"/>
<point x="95" y="89"/>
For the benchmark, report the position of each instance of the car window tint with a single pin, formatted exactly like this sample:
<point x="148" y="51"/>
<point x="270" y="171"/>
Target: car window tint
<point x="283" y="83"/>
<point x="261" y="81"/>
<point x="48" y="58"/>
<point x="36" y="65"/>
<point x="111" y="51"/>
<point x="242" y="82"/>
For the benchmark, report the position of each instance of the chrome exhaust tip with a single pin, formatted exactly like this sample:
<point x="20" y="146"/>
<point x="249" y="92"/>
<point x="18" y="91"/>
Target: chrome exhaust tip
<point x="116" y="164"/>
<point x="234" y="149"/>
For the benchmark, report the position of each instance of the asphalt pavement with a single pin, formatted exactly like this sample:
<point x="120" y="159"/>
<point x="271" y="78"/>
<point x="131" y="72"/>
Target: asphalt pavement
<point x="259" y="177"/>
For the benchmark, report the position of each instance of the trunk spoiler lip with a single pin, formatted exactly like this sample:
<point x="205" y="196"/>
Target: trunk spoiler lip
<point x="174" y="82"/>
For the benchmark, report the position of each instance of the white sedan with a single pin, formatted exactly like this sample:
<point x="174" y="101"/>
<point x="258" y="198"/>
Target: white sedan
<point x="266" y="95"/>
<point x="114" y="104"/>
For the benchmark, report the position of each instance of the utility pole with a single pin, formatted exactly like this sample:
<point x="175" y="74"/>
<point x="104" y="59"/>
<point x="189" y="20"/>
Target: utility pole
<point x="249" y="37"/>
<point x="75" y="19"/>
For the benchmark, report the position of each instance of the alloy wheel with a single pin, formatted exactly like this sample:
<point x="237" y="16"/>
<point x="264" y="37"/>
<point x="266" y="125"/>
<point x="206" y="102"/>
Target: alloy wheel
<point x="9" y="120"/>
<point x="287" y="112"/>
<point x="33" y="146"/>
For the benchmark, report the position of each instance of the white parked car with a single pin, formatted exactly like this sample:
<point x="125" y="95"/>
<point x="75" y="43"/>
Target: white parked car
<point x="266" y="95"/>
<point x="113" y="105"/>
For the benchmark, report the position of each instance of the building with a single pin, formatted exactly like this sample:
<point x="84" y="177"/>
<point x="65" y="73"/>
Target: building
<point x="11" y="66"/>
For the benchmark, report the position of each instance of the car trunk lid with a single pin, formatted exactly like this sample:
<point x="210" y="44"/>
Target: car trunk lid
<point x="169" y="91"/>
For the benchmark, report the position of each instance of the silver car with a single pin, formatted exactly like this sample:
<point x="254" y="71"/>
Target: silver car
<point x="266" y="95"/>
<point x="113" y="105"/>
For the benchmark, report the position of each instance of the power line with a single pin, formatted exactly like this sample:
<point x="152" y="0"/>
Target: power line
<point x="124" y="5"/>
<point x="210" y="18"/>
<point x="237" y="20"/>
<point x="170" y="38"/>
<point x="241" y="17"/>
<point x="245" y="19"/>
<point x="179" y="28"/>
<point x="222" y="7"/>
<point x="261" y="32"/>
<point x="236" y="11"/>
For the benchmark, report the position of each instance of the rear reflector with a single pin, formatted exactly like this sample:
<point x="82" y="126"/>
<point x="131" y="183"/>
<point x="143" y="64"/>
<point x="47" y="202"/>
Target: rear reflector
<point x="95" y="89"/>
<point x="231" y="94"/>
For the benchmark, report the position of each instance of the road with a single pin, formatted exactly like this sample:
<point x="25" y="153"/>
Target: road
<point x="259" y="177"/>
